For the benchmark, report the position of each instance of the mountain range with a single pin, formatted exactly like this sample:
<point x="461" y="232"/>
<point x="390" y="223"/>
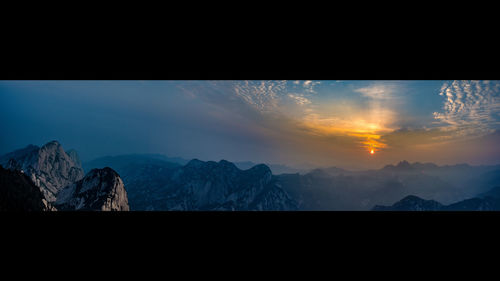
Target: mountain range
<point x="120" y="160"/>
<point x="338" y="189"/>
<point x="154" y="184"/>
<point x="151" y="182"/>
<point x="157" y="182"/>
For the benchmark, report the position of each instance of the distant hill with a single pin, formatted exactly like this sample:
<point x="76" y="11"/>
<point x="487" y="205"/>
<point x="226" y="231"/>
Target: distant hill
<point x="338" y="189"/>
<point x="118" y="161"/>
<point x="122" y="163"/>
<point x="414" y="203"/>
<point x="406" y="166"/>
<point x="494" y="192"/>
<point x="275" y="168"/>
<point x="411" y="203"/>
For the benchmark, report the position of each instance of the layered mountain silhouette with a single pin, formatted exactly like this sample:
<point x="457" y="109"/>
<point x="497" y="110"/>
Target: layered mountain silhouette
<point x="489" y="202"/>
<point x="148" y="181"/>
<point x="338" y="189"/>
<point x="144" y="159"/>
<point x="157" y="182"/>
<point x="207" y="185"/>
<point x="412" y="203"/>
<point x="152" y="183"/>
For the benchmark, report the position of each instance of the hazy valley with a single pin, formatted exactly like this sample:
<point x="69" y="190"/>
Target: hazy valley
<point x="153" y="182"/>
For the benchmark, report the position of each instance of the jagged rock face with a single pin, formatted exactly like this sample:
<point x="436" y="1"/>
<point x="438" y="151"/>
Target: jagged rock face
<point x="213" y="186"/>
<point x="99" y="190"/>
<point x="19" y="193"/>
<point x="49" y="167"/>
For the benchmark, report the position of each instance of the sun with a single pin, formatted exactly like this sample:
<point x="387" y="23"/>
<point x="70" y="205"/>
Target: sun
<point x="372" y="151"/>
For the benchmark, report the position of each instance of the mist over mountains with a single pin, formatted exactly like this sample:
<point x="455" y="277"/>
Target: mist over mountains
<point x="120" y="160"/>
<point x="334" y="188"/>
<point x="154" y="182"/>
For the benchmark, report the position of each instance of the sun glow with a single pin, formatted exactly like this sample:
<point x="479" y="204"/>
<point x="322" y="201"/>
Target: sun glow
<point x="372" y="151"/>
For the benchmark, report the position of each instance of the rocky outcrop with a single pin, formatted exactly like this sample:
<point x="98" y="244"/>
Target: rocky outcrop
<point x="49" y="167"/>
<point x="99" y="190"/>
<point x="19" y="193"/>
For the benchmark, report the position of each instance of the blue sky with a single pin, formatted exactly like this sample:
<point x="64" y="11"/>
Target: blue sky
<point x="323" y="123"/>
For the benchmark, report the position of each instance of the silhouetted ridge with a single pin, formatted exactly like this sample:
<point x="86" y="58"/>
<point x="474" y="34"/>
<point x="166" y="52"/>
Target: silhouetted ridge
<point x="411" y="203"/>
<point x="414" y="203"/>
<point x="19" y="193"/>
<point x="209" y="185"/>
<point x="261" y="168"/>
<point x="195" y="163"/>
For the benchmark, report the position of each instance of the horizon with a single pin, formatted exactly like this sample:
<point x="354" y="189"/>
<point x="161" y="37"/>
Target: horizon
<point x="353" y="125"/>
<point x="255" y="163"/>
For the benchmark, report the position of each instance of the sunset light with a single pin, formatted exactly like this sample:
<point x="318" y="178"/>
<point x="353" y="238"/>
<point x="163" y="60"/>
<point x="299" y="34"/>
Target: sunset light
<point x="250" y="145"/>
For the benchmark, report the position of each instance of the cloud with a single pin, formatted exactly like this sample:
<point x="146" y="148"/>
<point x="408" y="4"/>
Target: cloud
<point x="377" y="91"/>
<point x="309" y="86"/>
<point x="471" y="108"/>
<point x="263" y="95"/>
<point x="300" y="100"/>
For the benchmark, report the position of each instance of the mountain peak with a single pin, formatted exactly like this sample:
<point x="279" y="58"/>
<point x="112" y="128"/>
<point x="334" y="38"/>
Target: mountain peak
<point x="227" y="164"/>
<point x="53" y="143"/>
<point x="102" y="172"/>
<point x="401" y="166"/>
<point x="404" y="164"/>
<point x="100" y="190"/>
<point x="195" y="163"/>
<point x="412" y="198"/>
<point x="261" y="168"/>
<point x="50" y="167"/>
<point x="53" y="146"/>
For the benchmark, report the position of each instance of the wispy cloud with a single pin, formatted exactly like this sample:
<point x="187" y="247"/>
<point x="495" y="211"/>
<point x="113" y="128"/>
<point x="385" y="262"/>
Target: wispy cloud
<point x="471" y="108"/>
<point x="310" y="85"/>
<point x="263" y="95"/>
<point x="378" y="91"/>
<point x="299" y="99"/>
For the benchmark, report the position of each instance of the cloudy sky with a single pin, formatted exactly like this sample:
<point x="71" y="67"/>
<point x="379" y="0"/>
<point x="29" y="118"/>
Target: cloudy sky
<point x="299" y="123"/>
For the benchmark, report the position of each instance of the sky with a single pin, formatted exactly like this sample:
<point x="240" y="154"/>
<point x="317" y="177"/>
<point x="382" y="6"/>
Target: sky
<point x="301" y="123"/>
